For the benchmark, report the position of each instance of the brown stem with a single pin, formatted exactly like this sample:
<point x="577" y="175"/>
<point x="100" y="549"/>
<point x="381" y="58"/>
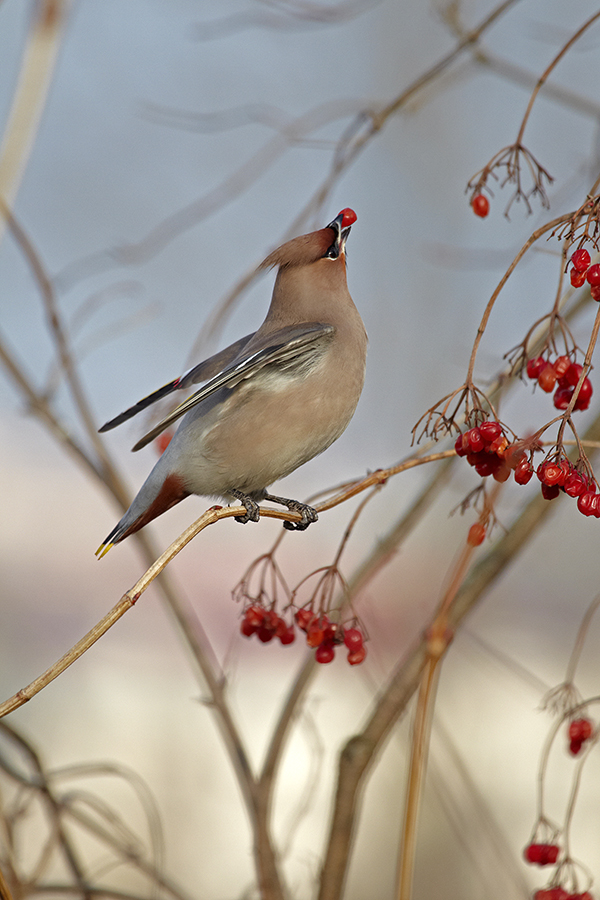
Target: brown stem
<point x="544" y="76"/>
<point x="490" y="305"/>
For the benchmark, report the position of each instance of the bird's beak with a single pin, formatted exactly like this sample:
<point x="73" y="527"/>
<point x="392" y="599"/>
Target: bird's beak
<point x="341" y="236"/>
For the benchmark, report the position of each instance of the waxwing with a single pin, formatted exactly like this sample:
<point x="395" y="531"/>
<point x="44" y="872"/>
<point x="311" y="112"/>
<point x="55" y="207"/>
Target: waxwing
<point x="271" y="401"/>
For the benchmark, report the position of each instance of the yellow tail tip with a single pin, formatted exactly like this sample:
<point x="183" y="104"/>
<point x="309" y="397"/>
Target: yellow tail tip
<point x="103" y="550"/>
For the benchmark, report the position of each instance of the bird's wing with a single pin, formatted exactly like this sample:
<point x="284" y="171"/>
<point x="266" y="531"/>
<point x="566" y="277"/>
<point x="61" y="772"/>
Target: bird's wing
<point x="204" y="370"/>
<point x="284" y="347"/>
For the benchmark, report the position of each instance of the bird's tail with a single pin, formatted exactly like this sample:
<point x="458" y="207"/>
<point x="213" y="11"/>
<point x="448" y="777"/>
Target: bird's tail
<point x="148" y="504"/>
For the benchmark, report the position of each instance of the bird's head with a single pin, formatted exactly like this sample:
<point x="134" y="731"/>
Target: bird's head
<point x="310" y="248"/>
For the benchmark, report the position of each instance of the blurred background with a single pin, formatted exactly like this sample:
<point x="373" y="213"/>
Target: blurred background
<point x="179" y="143"/>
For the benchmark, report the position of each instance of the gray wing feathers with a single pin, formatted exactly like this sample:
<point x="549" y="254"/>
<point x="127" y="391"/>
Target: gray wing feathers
<point x="279" y="348"/>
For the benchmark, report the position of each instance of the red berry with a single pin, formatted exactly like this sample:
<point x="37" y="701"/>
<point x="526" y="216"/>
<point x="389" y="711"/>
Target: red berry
<point x="325" y="653"/>
<point x="549" y="854"/>
<point x="331" y="633"/>
<point x="550" y="491"/>
<point x="535" y="366"/>
<point x="476" y="534"/>
<point x="490" y="431"/>
<point x="265" y="634"/>
<point x="595" y="292"/>
<point x="461" y="445"/>
<point x="573" y="373"/>
<point x="551" y="473"/>
<point x="585" y="394"/>
<point x="349" y="217"/>
<point x="498" y="445"/>
<point x="577" y="278"/>
<point x="547" y="378"/>
<point x="304" y="617"/>
<point x="562" y="397"/>
<point x="593" y="275"/>
<point x="574" y="747"/>
<point x="288" y="636"/>
<point x="533" y="853"/>
<point x="353" y="639"/>
<point x="254" y="615"/>
<point x="247" y="628"/>
<point x="280" y="626"/>
<point x="480" y="205"/>
<point x="524" y="472"/>
<point x="355" y="657"/>
<point x="315" y="634"/>
<point x="475" y="440"/>
<point x="581" y="259"/>
<point x="580" y="730"/>
<point x="587" y="503"/>
<point x="561" y="364"/>
<point x="574" y="484"/>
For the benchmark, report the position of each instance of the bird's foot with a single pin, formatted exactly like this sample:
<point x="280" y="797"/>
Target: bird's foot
<point x="252" y="512"/>
<point x="308" y="514"/>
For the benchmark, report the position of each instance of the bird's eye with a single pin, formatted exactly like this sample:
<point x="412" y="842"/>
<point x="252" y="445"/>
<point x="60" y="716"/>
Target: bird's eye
<point x="333" y="252"/>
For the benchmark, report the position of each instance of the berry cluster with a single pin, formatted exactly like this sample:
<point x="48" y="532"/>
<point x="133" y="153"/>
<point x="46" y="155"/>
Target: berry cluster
<point x="480" y="205"/>
<point x="556" y="475"/>
<point x="266" y="624"/>
<point x="324" y="635"/>
<point x="542" y="854"/>
<point x="321" y="634"/>
<point x="582" y="271"/>
<point x="580" y="731"/>
<point x="484" y="448"/>
<point x="559" y="893"/>
<point x="563" y="375"/>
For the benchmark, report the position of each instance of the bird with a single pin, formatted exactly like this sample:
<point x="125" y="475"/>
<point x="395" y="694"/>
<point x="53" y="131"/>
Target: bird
<point x="271" y="401"/>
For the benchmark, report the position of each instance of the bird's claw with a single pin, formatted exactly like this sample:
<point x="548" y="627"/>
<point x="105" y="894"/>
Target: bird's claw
<point x="307" y="513"/>
<point x="252" y="509"/>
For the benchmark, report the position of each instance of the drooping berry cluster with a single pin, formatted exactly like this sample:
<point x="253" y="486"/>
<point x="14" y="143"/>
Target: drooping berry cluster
<point x="562" y="374"/>
<point x="322" y="634"/>
<point x="556" y="475"/>
<point x="559" y="893"/>
<point x="582" y="271"/>
<point x="541" y="854"/>
<point x="486" y="449"/>
<point x="580" y="731"/>
<point x="266" y="624"/>
<point x="325" y="635"/>
<point x="483" y="447"/>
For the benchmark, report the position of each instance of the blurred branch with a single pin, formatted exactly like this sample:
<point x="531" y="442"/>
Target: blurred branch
<point x="5" y="893"/>
<point x="37" y="66"/>
<point x="90" y="813"/>
<point x="284" y="15"/>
